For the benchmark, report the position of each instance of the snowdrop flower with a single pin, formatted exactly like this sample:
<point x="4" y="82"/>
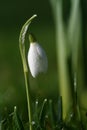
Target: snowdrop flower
<point x="37" y="58"/>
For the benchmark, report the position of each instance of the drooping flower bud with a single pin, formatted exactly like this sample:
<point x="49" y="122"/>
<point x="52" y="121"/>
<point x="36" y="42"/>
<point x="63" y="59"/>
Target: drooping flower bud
<point x="37" y="58"/>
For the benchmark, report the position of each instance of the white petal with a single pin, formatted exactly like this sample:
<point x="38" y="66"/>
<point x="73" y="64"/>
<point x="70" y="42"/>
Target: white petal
<point x="37" y="59"/>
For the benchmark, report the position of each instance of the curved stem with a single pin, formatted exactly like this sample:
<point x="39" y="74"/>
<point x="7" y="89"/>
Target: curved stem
<point x="25" y="67"/>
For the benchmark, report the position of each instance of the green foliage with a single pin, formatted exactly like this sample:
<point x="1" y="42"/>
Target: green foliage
<point x="12" y="122"/>
<point x="17" y="123"/>
<point x="45" y="117"/>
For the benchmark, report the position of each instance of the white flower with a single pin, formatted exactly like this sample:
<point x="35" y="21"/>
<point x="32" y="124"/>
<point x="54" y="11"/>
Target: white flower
<point x="37" y="59"/>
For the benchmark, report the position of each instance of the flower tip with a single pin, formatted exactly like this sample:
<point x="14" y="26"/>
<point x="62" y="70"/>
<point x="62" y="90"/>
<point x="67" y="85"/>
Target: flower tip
<point x="35" y="15"/>
<point x="32" y="38"/>
<point x="45" y="100"/>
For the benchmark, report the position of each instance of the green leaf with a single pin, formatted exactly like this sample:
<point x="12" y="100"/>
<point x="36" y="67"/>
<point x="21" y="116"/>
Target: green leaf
<point x="22" y="40"/>
<point x="42" y="109"/>
<point x="2" y="125"/>
<point x="17" y="123"/>
<point x="51" y="114"/>
<point x="24" y="29"/>
<point x="60" y="109"/>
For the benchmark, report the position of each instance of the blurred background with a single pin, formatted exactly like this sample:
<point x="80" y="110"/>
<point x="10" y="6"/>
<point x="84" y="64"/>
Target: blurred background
<point x="13" y="14"/>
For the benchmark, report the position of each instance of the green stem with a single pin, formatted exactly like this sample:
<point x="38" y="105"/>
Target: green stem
<point x="28" y="99"/>
<point x="25" y="67"/>
<point x="61" y="45"/>
<point x="62" y="56"/>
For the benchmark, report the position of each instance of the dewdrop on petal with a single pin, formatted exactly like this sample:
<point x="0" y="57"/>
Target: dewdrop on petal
<point x="37" y="58"/>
